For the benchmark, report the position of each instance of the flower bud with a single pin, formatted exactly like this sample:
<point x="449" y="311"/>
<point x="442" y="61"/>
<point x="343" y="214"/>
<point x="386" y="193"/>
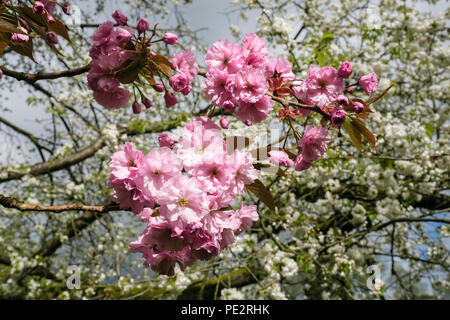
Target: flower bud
<point x="224" y="123"/>
<point x="338" y="116"/>
<point x="146" y="102"/>
<point x="186" y="90"/>
<point x="165" y="140"/>
<point x="158" y="87"/>
<point x="52" y="38"/>
<point x="358" y="107"/>
<point x="345" y="69"/>
<point x="248" y="123"/>
<point x="170" y="38"/>
<point x="351" y="90"/>
<point x="38" y="8"/>
<point x="1" y="74"/>
<point x="120" y="18"/>
<point x="229" y="106"/>
<point x="369" y="83"/>
<point x="342" y="100"/>
<point x="51" y="20"/>
<point x="143" y="25"/>
<point x="136" y="107"/>
<point x="19" y="38"/>
<point x="66" y="9"/>
<point x="170" y="99"/>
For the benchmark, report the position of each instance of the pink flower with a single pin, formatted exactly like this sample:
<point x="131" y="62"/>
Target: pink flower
<point x="278" y="71"/>
<point x="221" y="88"/>
<point x="224" y="56"/>
<point x="314" y="143"/>
<point x="38" y="8"/>
<point x="252" y="85"/>
<point x="280" y="157"/>
<point x="125" y="163"/>
<point x="19" y="38"/>
<point x="244" y="172"/>
<point x="342" y="100"/>
<point x="338" y="116"/>
<point x="178" y="82"/>
<point x="165" y="140"/>
<point x="247" y="215"/>
<point x="123" y="34"/>
<point x="158" y="166"/>
<point x="321" y="88"/>
<point x="183" y="199"/>
<point x="345" y="69"/>
<point x="130" y="196"/>
<point x="358" y="107"/>
<point x="254" y="50"/>
<point x="255" y="112"/>
<point x="103" y="35"/>
<point x="185" y="63"/>
<point x="113" y="100"/>
<point x="170" y="38"/>
<point x="301" y="163"/>
<point x="369" y="83"/>
<point x="170" y="99"/>
<point x="143" y="25"/>
<point x="120" y="18"/>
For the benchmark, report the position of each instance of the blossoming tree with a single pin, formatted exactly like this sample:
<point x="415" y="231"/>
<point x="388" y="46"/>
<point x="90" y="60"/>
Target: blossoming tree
<point x="281" y="164"/>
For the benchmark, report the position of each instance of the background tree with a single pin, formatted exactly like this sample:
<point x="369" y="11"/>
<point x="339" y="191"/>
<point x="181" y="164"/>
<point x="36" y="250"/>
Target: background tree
<point x="354" y="208"/>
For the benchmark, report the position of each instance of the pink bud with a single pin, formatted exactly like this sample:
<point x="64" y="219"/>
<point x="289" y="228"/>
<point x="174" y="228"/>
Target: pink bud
<point x="178" y="82"/>
<point x="52" y="38"/>
<point x="38" y="8"/>
<point x="358" y="107"/>
<point x="165" y="140"/>
<point x="1" y="74"/>
<point x="170" y="38"/>
<point x="224" y="123"/>
<point x="342" y="100"/>
<point x="143" y="25"/>
<point x="338" y="116"/>
<point x="147" y="103"/>
<point x="158" y="87"/>
<point x="248" y="123"/>
<point x="66" y="9"/>
<point x="369" y="83"/>
<point x="351" y="90"/>
<point x="345" y="69"/>
<point x="136" y="107"/>
<point x="51" y="20"/>
<point x="170" y="99"/>
<point x="19" y="38"/>
<point x="120" y="18"/>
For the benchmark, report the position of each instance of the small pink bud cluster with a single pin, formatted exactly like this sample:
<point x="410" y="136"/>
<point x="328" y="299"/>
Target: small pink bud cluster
<point x="183" y="192"/>
<point x="113" y="62"/>
<point x="239" y="77"/>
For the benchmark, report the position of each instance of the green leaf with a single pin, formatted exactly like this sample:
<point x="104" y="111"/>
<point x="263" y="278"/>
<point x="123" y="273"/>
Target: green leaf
<point x="352" y="132"/>
<point x="262" y="193"/>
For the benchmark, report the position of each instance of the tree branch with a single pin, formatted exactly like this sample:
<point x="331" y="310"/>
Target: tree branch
<point x="9" y="202"/>
<point x="33" y="77"/>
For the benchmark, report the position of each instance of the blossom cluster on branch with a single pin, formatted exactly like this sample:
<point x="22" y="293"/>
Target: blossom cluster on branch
<point x="184" y="193"/>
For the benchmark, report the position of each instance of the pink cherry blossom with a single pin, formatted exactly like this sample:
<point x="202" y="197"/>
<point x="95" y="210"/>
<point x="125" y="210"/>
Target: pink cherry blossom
<point x="255" y="112"/>
<point x="224" y="56"/>
<point x="369" y="83"/>
<point x="126" y="162"/>
<point x="280" y="157"/>
<point x="254" y="51"/>
<point x="301" y="163"/>
<point x="221" y="88"/>
<point x="252" y="85"/>
<point x="314" y="143"/>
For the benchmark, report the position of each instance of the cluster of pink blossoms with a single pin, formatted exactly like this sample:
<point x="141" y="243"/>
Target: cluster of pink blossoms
<point x="40" y="8"/>
<point x="120" y="56"/>
<point x="239" y="76"/>
<point x="184" y="192"/>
